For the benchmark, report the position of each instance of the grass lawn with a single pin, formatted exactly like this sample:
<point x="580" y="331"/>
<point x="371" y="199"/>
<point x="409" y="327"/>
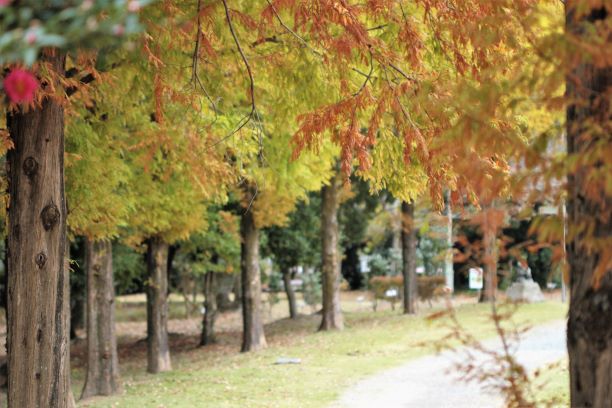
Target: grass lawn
<point x="552" y="384"/>
<point x="219" y="376"/>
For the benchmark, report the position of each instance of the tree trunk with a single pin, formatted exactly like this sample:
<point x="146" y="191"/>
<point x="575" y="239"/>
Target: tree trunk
<point x="490" y="261"/>
<point x="293" y="312"/>
<point x="253" y="337"/>
<point x="237" y="291"/>
<point x="210" y="310"/>
<point x="449" y="272"/>
<point x="5" y="263"/>
<point x="409" y="243"/>
<point x="589" y="330"/>
<point x="38" y="296"/>
<point x="78" y="287"/>
<point x="332" y="315"/>
<point x="158" y="353"/>
<point x="102" y="376"/>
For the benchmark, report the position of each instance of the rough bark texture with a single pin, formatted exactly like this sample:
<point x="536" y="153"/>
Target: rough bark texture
<point x="589" y="331"/>
<point x="38" y="295"/>
<point x="158" y="353"/>
<point x="409" y="243"/>
<point x="102" y="376"/>
<point x="293" y="312"/>
<point x="332" y="315"/>
<point x="210" y="310"/>
<point x="253" y="337"/>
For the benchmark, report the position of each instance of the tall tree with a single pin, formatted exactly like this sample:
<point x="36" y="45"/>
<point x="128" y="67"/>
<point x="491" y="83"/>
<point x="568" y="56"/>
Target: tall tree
<point x="330" y="235"/>
<point x="409" y="244"/>
<point x="170" y="207"/>
<point x="589" y="204"/>
<point x="158" y="350"/>
<point x="404" y="180"/>
<point x="102" y="377"/>
<point x="210" y="256"/>
<point x="296" y="244"/>
<point x="253" y="337"/>
<point x="355" y="214"/>
<point x="97" y="178"/>
<point x="38" y="305"/>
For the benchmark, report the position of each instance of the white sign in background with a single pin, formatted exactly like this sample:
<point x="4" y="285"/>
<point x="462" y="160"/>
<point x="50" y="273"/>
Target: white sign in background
<point x="476" y="278"/>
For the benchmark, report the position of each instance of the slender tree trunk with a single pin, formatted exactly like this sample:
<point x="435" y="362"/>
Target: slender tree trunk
<point x="332" y="315"/>
<point x="409" y="243"/>
<point x="589" y="330"/>
<point x="449" y="272"/>
<point x="237" y="291"/>
<point x="5" y="263"/>
<point x="102" y="376"/>
<point x="210" y="310"/>
<point x="490" y="266"/>
<point x="158" y="352"/>
<point x="38" y="294"/>
<point x="253" y="337"/>
<point x="293" y="312"/>
<point x="78" y="288"/>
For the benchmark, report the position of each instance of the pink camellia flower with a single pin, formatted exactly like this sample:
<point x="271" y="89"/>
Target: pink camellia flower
<point x="20" y="86"/>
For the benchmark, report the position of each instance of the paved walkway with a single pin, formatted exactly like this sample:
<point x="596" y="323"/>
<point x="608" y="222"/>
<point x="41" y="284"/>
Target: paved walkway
<point x="429" y="382"/>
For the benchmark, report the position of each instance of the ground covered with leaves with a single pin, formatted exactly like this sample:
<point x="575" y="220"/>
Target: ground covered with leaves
<point x="220" y="376"/>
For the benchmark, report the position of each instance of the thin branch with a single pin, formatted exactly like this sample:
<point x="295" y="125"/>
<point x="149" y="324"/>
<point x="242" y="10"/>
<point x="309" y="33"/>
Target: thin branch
<point x="409" y="78"/>
<point x="378" y="27"/>
<point x="253" y="112"/>
<point x="195" y="77"/>
<point x="290" y="31"/>
<point x="244" y="59"/>
<point x="368" y="76"/>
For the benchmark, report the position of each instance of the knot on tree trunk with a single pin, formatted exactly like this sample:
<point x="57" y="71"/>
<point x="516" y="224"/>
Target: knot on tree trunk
<point x="50" y="216"/>
<point x="41" y="260"/>
<point x="30" y="166"/>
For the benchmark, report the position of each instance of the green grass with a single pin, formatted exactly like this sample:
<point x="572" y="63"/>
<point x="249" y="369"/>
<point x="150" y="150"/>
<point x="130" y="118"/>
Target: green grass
<point x="132" y="308"/>
<point x="552" y="385"/>
<point x="221" y="377"/>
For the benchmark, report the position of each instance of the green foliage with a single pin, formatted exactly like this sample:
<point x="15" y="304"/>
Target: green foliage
<point x="128" y="269"/>
<point x="356" y="212"/>
<point x="385" y="263"/>
<point x="389" y="171"/>
<point x="275" y="282"/>
<point x="215" y="248"/>
<point x="297" y="243"/>
<point x="97" y="174"/>
<point x="31" y="25"/>
<point x="312" y="288"/>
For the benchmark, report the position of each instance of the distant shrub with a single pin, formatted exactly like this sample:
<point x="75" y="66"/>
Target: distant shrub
<point x="275" y="281"/>
<point x="311" y="289"/>
<point x="387" y="288"/>
<point x="390" y="288"/>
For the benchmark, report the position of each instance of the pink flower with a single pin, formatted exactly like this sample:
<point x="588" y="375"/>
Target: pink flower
<point x="133" y="6"/>
<point x="4" y="3"/>
<point x="20" y="86"/>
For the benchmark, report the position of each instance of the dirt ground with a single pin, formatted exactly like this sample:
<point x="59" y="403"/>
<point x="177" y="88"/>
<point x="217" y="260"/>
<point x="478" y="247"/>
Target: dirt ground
<point x="184" y="333"/>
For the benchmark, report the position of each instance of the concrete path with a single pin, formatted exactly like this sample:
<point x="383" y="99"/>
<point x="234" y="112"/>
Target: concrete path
<point x="429" y="382"/>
